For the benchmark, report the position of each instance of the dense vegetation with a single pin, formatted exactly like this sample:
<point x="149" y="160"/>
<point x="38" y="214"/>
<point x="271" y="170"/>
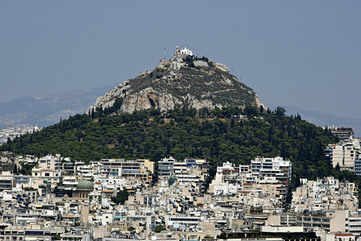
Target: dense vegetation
<point x="218" y="136"/>
<point x="214" y="135"/>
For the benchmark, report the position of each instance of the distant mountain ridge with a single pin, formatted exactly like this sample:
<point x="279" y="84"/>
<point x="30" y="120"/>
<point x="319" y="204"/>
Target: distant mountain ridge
<point x="48" y="110"/>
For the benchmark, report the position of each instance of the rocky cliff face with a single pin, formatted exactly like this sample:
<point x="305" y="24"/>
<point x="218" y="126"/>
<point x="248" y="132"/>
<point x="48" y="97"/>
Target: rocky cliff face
<point x="182" y="80"/>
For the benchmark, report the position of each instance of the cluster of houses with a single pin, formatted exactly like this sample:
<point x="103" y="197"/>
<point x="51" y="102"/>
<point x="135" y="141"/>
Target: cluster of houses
<point x="261" y="185"/>
<point x="325" y="204"/>
<point x="119" y="199"/>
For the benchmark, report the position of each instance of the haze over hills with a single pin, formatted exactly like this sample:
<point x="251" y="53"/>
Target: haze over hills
<point x="47" y="110"/>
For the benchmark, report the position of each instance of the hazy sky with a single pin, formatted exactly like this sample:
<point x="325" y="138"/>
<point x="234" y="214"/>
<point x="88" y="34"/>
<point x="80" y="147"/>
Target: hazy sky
<point x="300" y="53"/>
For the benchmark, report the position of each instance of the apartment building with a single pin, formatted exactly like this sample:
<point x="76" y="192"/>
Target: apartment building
<point x="344" y="154"/>
<point x="166" y="167"/>
<point x="272" y="167"/>
<point x="183" y="170"/>
<point x="7" y="181"/>
<point x="353" y="224"/>
<point x="139" y="168"/>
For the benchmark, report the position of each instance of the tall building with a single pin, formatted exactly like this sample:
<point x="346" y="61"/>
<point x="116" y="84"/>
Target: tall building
<point x="272" y="167"/>
<point x="344" y="154"/>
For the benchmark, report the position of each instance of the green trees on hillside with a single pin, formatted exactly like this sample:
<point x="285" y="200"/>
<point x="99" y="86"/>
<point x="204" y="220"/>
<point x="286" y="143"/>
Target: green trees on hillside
<point x="217" y="135"/>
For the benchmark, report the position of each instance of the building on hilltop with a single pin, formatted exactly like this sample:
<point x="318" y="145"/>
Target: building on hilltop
<point x="186" y="52"/>
<point x="182" y="52"/>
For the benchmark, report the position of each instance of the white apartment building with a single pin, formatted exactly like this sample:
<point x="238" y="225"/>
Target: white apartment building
<point x="85" y="171"/>
<point x="272" y="167"/>
<point x="177" y="221"/>
<point x="50" y="162"/>
<point x="184" y="170"/>
<point x="344" y="154"/>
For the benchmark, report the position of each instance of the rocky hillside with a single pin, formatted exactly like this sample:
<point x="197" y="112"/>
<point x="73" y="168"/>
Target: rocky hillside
<point x="183" y="80"/>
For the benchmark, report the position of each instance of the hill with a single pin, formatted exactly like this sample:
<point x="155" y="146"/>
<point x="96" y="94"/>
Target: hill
<point x="182" y="80"/>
